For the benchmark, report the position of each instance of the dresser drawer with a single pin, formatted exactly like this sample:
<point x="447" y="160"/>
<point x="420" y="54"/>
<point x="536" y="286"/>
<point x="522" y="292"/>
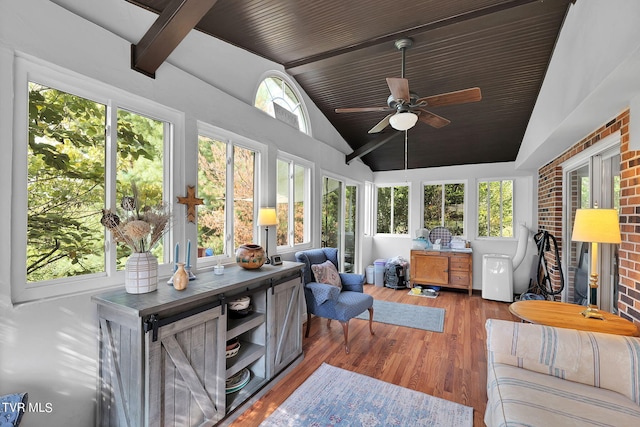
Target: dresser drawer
<point x="460" y="264"/>
<point x="460" y="278"/>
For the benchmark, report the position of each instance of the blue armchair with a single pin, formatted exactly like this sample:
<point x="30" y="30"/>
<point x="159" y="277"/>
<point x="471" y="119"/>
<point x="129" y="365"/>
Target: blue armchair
<point x="332" y="302"/>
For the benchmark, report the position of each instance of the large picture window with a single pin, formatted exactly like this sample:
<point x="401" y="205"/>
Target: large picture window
<point x="444" y="206"/>
<point x="495" y="208"/>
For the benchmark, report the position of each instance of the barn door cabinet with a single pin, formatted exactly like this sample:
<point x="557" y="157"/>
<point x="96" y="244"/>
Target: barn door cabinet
<point x="163" y="354"/>
<point x="446" y="268"/>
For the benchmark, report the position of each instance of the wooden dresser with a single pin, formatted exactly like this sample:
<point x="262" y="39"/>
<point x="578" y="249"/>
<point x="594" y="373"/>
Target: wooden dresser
<point x="446" y="268"/>
<point x="163" y="354"/>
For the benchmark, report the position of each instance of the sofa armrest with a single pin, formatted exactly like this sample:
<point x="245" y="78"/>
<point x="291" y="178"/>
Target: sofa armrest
<point x="352" y="282"/>
<point x="323" y="292"/>
<point x="596" y="359"/>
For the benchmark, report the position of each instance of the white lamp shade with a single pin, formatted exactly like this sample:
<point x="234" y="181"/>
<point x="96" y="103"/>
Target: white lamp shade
<point x="403" y="121"/>
<point x="596" y="225"/>
<point x="267" y="216"/>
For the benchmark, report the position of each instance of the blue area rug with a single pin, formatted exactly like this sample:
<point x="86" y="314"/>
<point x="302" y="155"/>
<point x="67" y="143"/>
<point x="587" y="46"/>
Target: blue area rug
<point x="334" y="396"/>
<point x="412" y="316"/>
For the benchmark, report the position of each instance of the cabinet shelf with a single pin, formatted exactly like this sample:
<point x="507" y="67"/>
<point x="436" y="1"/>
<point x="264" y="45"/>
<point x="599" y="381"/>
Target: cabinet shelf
<point x="249" y="353"/>
<point x="235" y="399"/>
<point x="236" y="327"/>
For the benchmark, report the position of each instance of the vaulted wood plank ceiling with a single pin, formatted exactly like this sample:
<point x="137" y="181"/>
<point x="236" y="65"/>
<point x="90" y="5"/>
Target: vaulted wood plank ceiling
<point x="340" y="53"/>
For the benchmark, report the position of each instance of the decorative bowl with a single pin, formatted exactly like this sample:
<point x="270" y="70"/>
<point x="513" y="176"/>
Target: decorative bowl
<point x="233" y="351"/>
<point x="250" y="256"/>
<point x="240" y="303"/>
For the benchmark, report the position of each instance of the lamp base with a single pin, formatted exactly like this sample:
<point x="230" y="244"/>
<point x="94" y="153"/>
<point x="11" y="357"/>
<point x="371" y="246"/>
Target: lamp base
<point x="592" y="313"/>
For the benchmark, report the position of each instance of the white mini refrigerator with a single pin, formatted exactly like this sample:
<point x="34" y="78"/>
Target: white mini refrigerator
<point x="497" y="277"/>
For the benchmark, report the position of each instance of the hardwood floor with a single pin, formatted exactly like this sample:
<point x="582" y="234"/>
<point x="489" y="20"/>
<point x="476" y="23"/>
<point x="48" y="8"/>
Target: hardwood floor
<point x="449" y="365"/>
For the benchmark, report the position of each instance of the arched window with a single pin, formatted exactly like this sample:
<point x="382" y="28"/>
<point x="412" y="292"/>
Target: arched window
<point x="277" y="98"/>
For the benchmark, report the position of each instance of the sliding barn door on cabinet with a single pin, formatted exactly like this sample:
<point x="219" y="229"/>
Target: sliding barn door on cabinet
<point x="285" y="323"/>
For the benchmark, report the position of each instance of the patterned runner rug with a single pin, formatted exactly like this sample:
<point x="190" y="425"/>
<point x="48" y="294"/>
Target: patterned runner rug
<point x="334" y="396"/>
<point x="413" y="316"/>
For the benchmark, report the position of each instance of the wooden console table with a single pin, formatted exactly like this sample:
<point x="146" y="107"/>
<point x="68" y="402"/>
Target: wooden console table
<point x="447" y="268"/>
<point x="564" y="315"/>
<point x="163" y="354"/>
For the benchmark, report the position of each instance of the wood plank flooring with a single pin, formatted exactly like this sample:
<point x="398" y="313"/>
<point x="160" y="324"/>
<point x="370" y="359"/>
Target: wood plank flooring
<point x="449" y="365"/>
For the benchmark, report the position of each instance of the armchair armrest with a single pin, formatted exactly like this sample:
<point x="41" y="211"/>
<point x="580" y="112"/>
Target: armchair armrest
<point x="596" y="359"/>
<point x="323" y="292"/>
<point x="352" y="282"/>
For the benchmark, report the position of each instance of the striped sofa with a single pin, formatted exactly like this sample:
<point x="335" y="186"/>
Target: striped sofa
<point x="545" y="376"/>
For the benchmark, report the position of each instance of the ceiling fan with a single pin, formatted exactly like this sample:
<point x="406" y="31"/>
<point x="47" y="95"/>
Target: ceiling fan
<point x="407" y="108"/>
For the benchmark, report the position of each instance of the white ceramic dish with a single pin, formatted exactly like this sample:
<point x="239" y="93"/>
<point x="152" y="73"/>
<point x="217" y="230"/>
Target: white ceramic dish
<point x="240" y="303"/>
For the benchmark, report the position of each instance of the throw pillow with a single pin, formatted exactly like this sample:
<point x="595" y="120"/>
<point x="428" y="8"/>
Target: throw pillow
<point x="327" y="273"/>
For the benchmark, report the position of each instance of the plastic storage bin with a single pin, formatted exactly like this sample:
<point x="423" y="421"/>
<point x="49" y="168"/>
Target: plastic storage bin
<point x="370" y="274"/>
<point x="379" y="265"/>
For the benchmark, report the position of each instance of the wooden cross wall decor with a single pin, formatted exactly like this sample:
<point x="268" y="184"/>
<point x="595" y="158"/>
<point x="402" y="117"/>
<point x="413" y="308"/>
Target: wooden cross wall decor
<point x="191" y="201"/>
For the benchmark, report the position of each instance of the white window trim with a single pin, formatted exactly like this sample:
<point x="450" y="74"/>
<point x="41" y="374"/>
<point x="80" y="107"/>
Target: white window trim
<point x="234" y="140"/>
<point x="515" y="225"/>
<point x="308" y="229"/>
<point x="466" y="198"/>
<point x="28" y="69"/>
<point x="375" y="210"/>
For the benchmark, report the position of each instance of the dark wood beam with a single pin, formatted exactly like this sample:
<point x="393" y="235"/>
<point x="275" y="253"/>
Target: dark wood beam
<point x="369" y="147"/>
<point x="172" y="26"/>
<point x="305" y="64"/>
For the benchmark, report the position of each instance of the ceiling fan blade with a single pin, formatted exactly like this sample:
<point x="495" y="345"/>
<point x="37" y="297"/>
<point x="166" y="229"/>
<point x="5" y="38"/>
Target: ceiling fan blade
<point x="450" y="98"/>
<point x="432" y="119"/>
<point x="361" y="110"/>
<point x="399" y="88"/>
<point x="381" y="124"/>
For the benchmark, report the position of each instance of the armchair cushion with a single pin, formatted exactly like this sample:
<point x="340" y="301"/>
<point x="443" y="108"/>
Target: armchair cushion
<point x="323" y="292"/>
<point x="327" y="273"/>
<point x="352" y="282"/>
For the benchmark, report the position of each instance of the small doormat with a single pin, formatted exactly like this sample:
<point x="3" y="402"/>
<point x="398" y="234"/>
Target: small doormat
<point x="412" y="316"/>
<point x="335" y="396"/>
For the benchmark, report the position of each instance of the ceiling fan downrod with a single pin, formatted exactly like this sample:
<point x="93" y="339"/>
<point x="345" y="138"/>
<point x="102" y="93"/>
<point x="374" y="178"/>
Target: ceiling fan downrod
<point x="403" y="45"/>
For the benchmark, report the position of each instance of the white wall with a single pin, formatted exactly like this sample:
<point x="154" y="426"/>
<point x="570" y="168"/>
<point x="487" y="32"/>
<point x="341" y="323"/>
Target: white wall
<point x="49" y="348"/>
<point x="524" y="212"/>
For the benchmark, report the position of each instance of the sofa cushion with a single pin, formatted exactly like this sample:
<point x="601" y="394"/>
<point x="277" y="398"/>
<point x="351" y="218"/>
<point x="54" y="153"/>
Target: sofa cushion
<point x="519" y="397"/>
<point x="327" y="273"/>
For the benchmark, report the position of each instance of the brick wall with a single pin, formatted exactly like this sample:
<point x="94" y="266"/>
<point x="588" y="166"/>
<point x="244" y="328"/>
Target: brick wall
<point x="550" y="210"/>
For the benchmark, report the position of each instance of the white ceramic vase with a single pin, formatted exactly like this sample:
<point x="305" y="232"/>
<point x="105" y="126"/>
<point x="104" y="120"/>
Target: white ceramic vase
<point x="141" y="273"/>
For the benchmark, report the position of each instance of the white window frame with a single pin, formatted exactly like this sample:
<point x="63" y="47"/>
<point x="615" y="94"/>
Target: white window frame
<point x="309" y="172"/>
<point x="375" y="217"/>
<point x="234" y="140"/>
<point x="286" y="79"/>
<point x="513" y="207"/>
<point x="465" y="211"/>
<point x="29" y="69"/>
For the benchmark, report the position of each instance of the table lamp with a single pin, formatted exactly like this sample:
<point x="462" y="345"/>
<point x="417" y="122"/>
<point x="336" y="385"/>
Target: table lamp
<point x="267" y="217"/>
<point x="595" y="226"/>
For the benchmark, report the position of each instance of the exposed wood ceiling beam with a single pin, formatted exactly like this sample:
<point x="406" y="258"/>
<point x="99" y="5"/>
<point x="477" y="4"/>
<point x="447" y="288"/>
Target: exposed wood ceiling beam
<point x="305" y="64"/>
<point x="172" y="26"/>
<point x="369" y="147"/>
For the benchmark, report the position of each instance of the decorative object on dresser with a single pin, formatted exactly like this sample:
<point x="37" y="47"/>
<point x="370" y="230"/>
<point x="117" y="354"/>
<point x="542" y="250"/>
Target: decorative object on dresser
<point x="191" y="201"/>
<point x="141" y="228"/>
<point x="250" y="256"/>
<point x="446" y="268"/>
<point x="266" y="218"/>
<point x="180" y="278"/>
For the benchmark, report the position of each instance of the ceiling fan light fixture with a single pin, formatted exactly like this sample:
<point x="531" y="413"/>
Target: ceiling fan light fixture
<point x="403" y="121"/>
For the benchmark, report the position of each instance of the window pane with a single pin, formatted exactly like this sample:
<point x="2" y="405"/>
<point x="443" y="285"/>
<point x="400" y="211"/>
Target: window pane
<point x="454" y="208"/>
<point x="282" y="203"/>
<point x="507" y="208"/>
<point x="212" y="179"/>
<point x="139" y="161"/>
<point x="331" y="208"/>
<point x="401" y="210"/>
<point x="300" y="185"/>
<point x="495" y="208"/>
<point x="350" y="228"/>
<point x="65" y="185"/>
<point x="432" y="206"/>
<point x="483" y="212"/>
<point x="243" y="186"/>
<point x="384" y="210"/>
<point x="274" y="90"/>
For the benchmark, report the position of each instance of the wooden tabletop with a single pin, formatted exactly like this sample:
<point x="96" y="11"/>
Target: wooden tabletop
<point x="563" y="315"/>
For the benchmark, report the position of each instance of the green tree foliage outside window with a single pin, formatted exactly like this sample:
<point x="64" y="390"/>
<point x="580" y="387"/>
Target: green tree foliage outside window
<point x="393" y="210"/>
<point x="66" y="176"/>
<point x="495" y="208"/>
<point x="291" y="179"/>
<point x="331" y="207"/>
<point x="444" y="207"/>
